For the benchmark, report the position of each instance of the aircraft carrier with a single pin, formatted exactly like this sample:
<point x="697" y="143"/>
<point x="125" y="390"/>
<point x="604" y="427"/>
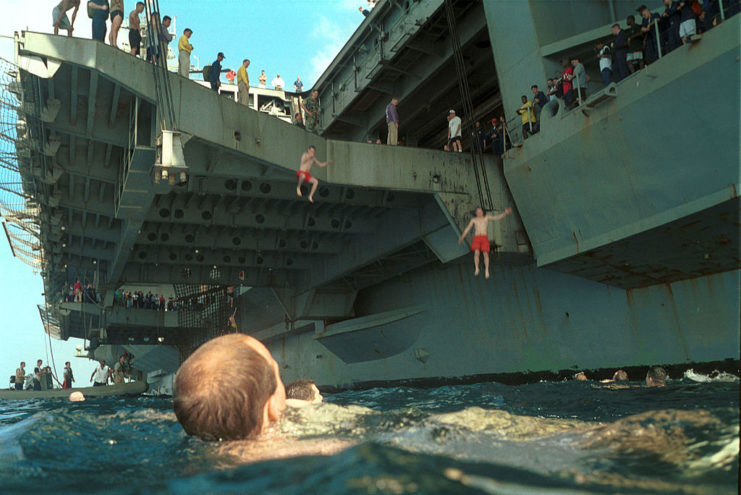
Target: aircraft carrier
<point x="623" y="249"/>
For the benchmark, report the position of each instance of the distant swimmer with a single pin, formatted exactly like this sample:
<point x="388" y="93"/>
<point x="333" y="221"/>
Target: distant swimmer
<point x="229" y="389"/>
<point x="76" y="397"/>
<point x="307" y="160"/>
<point x="581" y="377"/>
<point x="480" y="237"/>
<point x="656" y="376"/>
<point x="618" y="376"/>
<point x="303" y="392"/>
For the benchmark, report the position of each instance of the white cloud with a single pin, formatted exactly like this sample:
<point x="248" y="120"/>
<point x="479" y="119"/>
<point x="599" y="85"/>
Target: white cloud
<point x="333" y="36"/>
<point x="35" y="15"/>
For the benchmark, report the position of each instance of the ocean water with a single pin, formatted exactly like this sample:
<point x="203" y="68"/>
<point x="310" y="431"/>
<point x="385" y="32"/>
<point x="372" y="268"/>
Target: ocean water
<point x="543" y="438"/>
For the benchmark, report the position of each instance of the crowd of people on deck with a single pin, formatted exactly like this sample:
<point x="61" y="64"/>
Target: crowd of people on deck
<point x="156" y="38"/>
<point x="43" y="378"/>
<point x="139" y="300"/>
<point x="78" y="292"/>
<point x="628" y="50"/>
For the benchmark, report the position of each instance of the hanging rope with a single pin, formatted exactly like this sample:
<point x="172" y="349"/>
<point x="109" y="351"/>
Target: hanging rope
<point x="159" y="65"/>
<point x="477" y="156"/>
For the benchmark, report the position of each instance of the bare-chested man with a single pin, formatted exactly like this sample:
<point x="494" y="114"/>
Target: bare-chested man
<point x="59" y="16"/>
<point x="307" y="160"/>
<point x="480" y="237"/>
<point x="135" y="35"/>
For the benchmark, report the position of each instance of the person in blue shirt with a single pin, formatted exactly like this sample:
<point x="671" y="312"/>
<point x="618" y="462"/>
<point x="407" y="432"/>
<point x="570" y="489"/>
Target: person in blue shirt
<point x="652" y="46"/>
<point x="214" y="76"/>
<point x="671" y="14"/>
<point x="99" y="10"/>
<point x="539" y="101"/>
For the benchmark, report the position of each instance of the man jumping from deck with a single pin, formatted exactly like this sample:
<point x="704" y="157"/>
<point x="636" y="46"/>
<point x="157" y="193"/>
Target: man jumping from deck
<point x="307" y="160"/>
<point x="480" y="237"/>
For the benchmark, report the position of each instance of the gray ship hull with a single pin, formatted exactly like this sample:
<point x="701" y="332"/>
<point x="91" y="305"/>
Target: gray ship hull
<point x="524" y="319"/>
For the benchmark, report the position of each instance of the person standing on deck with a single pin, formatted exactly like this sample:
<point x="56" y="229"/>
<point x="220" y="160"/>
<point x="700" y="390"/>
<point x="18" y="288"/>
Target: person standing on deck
<point x="100" y="375"/>
<point x="69" y="377"/>
<point x="620" y="46"/>
<point x="528" y="117"/>
<point x="262" y="80"/>
<point x="39" y="373"/>
<point x="605" y="62"/>
<point x="278" y="83"/>
<point x="454" y="132"/>
<point x="311" y="108"/>
<point x="135" y="35"/>
<point x="243" y="83"/>
<point x="20" y="376"/>
<point x="303" y="175"/>
<point x="298" y="85"/>
<point x="117" y="13"/>
<point x="184" y="51"/>
<point x="647" y="27"/>
<point x="635" y="44"/>
<point x="98" y="11"/>
<point x="59" y="16"/>
<point x="392" y="121"/>
<point x="480" y="242"/>
<point x="214" y="76"/>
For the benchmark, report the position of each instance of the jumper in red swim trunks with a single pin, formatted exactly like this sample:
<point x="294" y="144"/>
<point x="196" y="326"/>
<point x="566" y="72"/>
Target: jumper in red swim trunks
<point x="480" y="243"/>
<point x="303" y="175"/>
<point x="307" y="176"/>
<point x="480" y="238"/>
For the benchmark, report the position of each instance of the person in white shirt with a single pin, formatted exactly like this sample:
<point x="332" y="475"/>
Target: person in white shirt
<point x="100" y="375"/>
<point x="278" y="83"/>
<point x="605" y="62"/>
<point x="454" y="132"/>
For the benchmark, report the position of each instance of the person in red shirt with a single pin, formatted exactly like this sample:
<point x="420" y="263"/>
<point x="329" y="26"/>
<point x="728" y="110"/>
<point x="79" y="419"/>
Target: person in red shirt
<point x="566" y="76"/>
<point x="78" y="291"/>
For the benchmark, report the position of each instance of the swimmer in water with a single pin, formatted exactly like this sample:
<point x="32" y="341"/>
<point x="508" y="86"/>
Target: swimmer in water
<point x="656" y="376"/>
<point x="581" y="377"/>
<point x="480" y="242"/>
<point x="303" y="392"/>
<point x="618" y="376"/>
<point x="303" y="175"/>
<point x="76" y="397"/>
<point x="229" y="389"/>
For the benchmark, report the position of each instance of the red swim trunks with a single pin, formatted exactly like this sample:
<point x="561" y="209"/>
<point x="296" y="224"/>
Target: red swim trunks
<point x="480" y="243"/>
<point x="307" y="175"/>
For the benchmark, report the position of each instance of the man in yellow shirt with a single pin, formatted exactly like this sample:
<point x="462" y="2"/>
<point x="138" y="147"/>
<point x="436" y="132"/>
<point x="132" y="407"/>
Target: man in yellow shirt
<point x="184" y="47"/>
<point x="243" y="83"/>
<point x="528" y="117"/>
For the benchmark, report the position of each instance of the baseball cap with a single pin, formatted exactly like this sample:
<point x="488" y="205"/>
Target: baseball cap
<point x="452" y="111"/>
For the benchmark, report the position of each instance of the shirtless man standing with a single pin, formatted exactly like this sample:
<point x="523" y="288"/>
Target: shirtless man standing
<point x="480" y="237"/>
<point x="307" y="160"/>
<point x="59" y="16"/>
<point x="135" y="36"/>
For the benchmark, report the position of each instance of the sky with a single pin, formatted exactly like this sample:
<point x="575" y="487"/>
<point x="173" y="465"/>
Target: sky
<point x="290" y="37"/>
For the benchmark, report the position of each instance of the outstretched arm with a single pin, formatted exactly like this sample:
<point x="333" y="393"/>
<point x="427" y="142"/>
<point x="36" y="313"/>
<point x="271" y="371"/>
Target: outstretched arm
<point x="500" y="216"/>
<point x="465" y="232"/>
<point x="323" y="164"/>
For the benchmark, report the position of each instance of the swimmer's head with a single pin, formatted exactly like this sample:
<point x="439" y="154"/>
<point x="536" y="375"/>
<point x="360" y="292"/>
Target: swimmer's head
<point x="620" y="376"/>
<point x="76" y="397"/>
<point x="581" y="376"/>
<point x="228" y="389"/>
<point x="312" y="150"/>
<point x="479" y="212"/>
<point x="304" y="389"/>
<point x="656" y="376"/>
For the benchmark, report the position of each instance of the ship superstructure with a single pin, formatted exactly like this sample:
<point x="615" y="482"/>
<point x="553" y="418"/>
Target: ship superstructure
<point x="623" y="249"/>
